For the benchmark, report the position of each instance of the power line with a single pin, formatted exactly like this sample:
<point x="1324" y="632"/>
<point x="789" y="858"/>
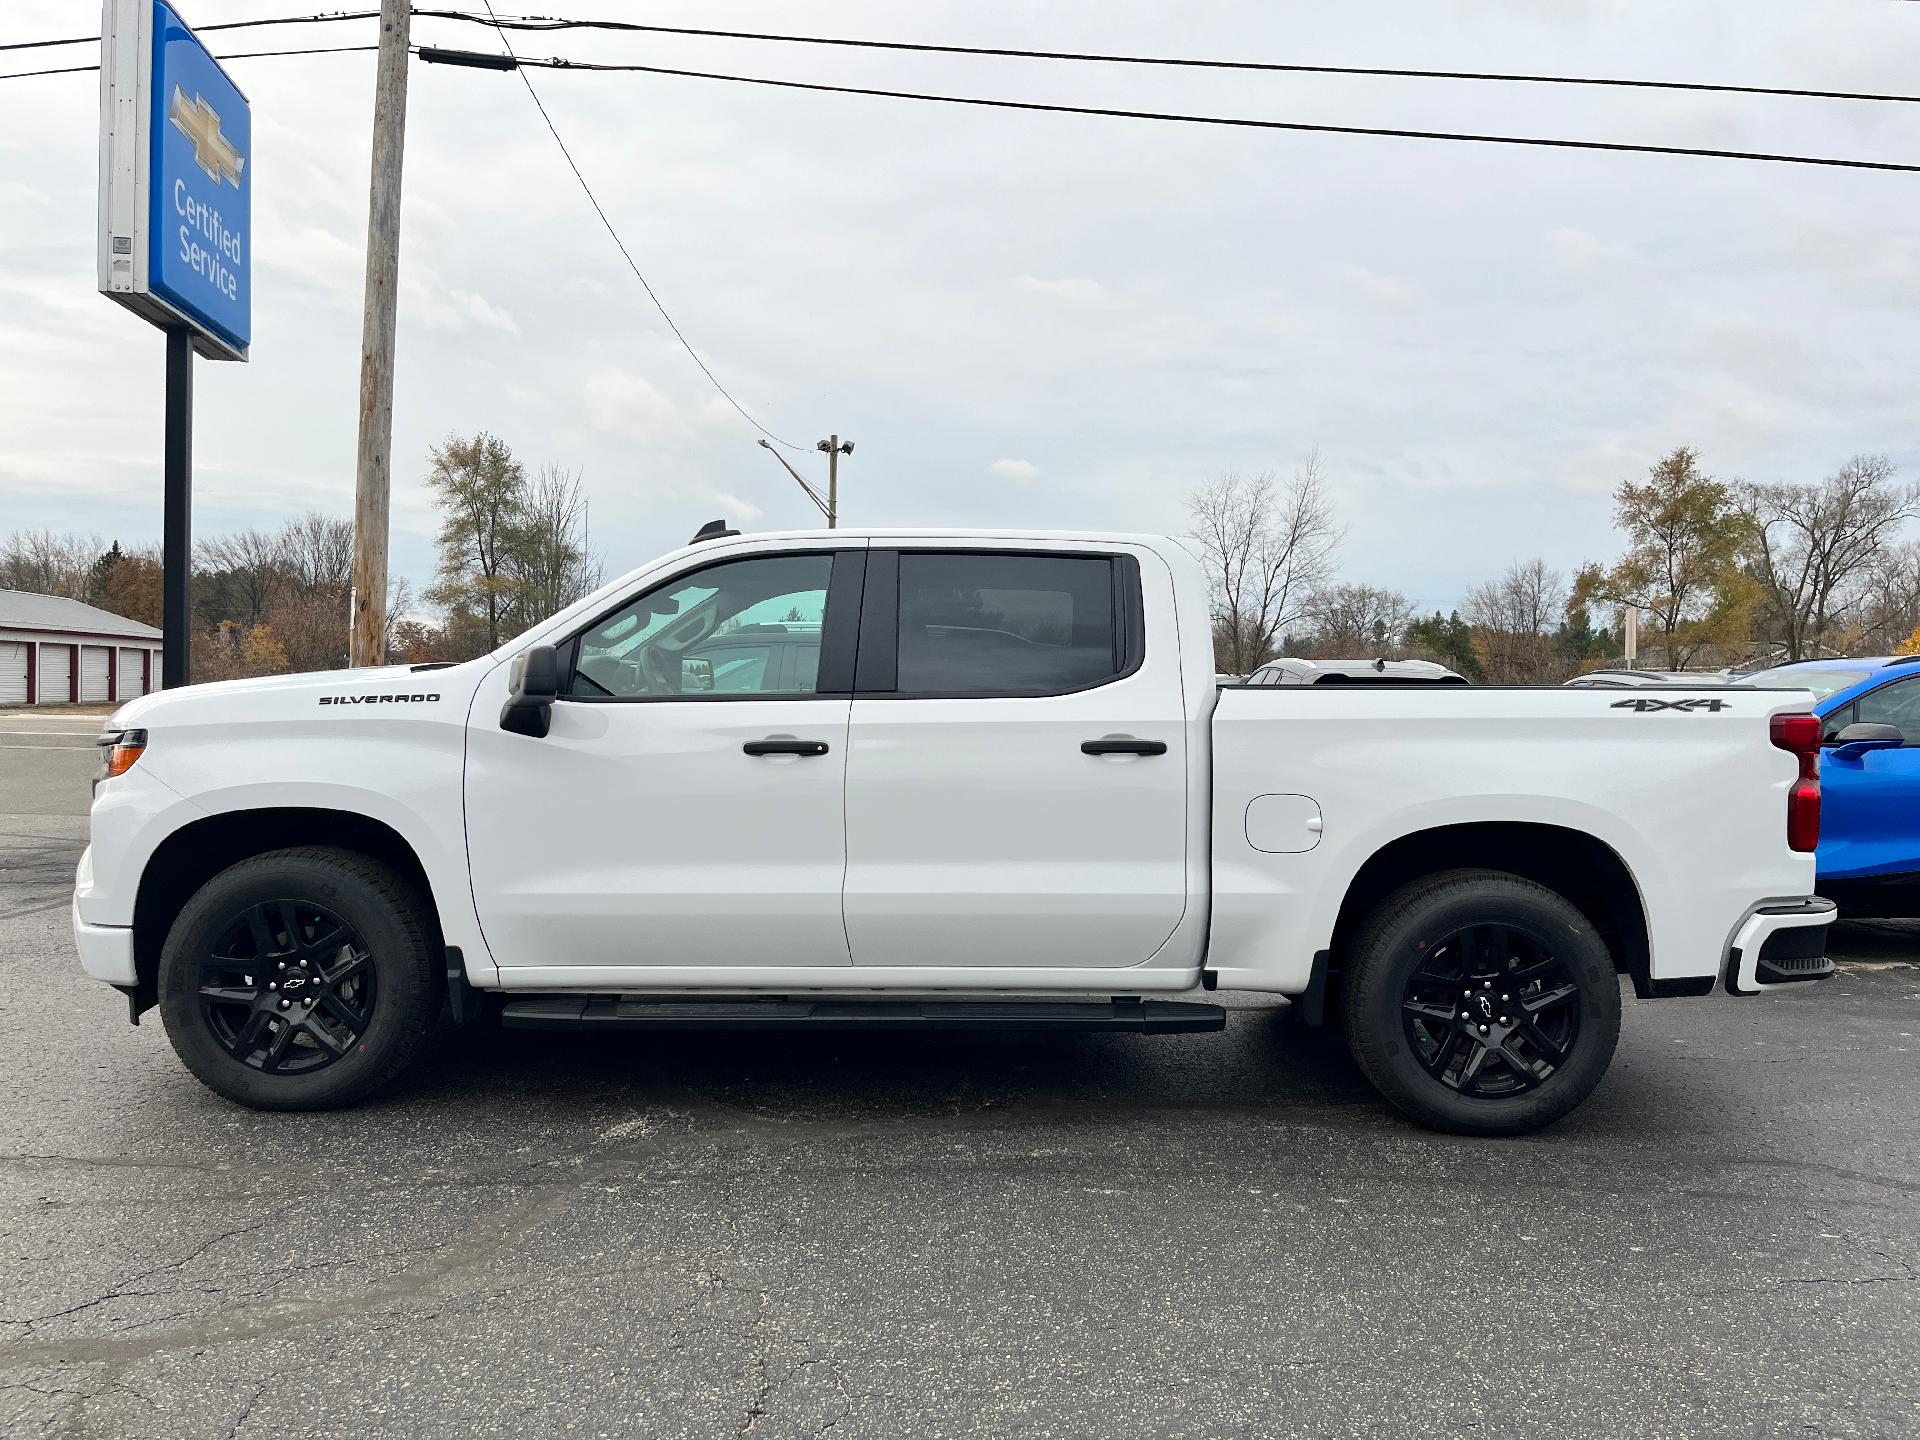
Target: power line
<point x="1237" y="122"/>
<point x="542" y="23"/>
<point x="625" y="254"/>
<point x="203" y="29"/>
<point x="243" y="55"/>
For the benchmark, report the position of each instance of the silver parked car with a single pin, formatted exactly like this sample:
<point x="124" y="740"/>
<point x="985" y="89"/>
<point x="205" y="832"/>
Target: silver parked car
<point x="1289" y="671"/>
<point x="1623" y="679"/>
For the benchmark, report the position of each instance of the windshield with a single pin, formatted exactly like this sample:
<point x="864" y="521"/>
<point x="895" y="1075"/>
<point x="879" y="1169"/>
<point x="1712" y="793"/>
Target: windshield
<point x="1793" y="677"/>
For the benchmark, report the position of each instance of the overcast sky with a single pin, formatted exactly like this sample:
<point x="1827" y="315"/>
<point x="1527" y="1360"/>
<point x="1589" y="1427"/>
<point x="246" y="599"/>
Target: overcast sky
<point x="1021" y="319"/>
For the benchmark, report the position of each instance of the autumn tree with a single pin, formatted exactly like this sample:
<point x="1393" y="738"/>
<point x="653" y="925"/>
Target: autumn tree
<point x="1812" y="545"/>
<point x="482" y="494"/>
<point x="131" y="589"/>
<point x="1266" y="547"/>
<point x="1686" y="535"/>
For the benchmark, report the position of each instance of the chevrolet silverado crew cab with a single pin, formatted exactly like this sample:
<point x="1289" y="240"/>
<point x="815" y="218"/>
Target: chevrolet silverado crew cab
<point x="937" y="780"/>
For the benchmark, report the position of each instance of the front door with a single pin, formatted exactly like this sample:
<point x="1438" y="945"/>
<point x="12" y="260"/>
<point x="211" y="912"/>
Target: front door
<point x="1016" y="773"/>
<point x="1870" y="806"/>
<point x="686" y="806"/>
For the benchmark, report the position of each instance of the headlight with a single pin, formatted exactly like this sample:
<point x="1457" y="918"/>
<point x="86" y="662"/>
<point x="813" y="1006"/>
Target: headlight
<point x="119" y="750"/>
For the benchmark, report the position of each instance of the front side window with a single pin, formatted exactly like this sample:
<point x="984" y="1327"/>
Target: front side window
<point x="739" y="627"/>
<point x="1005" y="624"/>
<point x="1897" y="704"/>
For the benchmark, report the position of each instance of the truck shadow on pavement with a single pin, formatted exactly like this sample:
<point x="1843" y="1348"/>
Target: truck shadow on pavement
<point x="1263" y="1059"/>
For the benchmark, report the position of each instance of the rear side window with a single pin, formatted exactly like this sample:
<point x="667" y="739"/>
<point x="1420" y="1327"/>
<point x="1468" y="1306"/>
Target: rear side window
<point x="1007" y="624"/>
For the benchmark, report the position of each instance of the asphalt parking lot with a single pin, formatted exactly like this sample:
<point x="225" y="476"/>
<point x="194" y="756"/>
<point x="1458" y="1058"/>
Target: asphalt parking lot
<point x="869" y="1236"/>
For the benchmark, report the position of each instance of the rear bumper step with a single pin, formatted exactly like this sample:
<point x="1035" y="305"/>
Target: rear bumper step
<point x="618" y="1012"/>
<point x="1781" y="944"/>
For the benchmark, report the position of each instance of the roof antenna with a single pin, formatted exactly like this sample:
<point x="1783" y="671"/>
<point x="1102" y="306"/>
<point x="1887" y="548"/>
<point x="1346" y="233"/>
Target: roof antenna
<point x="712" y="530"/>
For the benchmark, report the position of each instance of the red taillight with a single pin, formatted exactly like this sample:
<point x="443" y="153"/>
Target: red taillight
<point x="1800" y="736"/>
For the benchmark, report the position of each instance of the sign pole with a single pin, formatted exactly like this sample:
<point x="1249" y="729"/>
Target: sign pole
<point x="175" y="243"/>
<point x="176" y="580"/>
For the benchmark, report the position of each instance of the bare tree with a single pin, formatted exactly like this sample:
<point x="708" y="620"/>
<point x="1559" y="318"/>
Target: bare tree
<point x="1358" y="622"/>
<point x="549" y="560"/>
<point x="1886" y="609"/>
<point x="239" y="576"/>
<point x="49" y="564"/>
<point x="1513" y="618"/>
<point x="1814" y="544"/>
<point x="318" y="550"/>
<point x="1266" y="547"/>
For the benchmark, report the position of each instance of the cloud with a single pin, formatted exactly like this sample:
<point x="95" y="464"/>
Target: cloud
<point x="1023" y="472"/>
<point x="1581" y="249"/>
<point x="736" y="507"/>
<point x="622" y="403"/>
<point x="1070" y="290"/>
<point x="1372" y="285"/>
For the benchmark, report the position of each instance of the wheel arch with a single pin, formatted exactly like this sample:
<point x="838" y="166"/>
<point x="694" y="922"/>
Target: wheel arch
<point x="1584" y="869"/>
<point x="196" y="852"/>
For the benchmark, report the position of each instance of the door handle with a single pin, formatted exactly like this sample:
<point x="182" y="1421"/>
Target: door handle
<point x="785" y="747"/>
<point x="1123" y="745"/>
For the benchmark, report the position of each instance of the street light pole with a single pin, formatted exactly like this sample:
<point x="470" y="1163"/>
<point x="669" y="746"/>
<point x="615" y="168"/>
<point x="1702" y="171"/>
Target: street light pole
<point x="826" y="507"/>
<point x="835" y="448"/>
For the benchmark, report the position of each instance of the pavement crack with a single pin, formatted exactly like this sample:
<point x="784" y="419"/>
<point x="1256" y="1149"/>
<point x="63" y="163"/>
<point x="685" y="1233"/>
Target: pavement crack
<point x="246" y="1409"/>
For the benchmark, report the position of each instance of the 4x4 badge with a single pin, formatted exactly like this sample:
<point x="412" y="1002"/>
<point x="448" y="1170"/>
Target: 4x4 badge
<point x="1645" y="704"/>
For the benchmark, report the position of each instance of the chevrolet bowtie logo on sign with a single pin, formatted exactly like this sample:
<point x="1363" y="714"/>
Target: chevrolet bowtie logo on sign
<point x="212" y="151"/>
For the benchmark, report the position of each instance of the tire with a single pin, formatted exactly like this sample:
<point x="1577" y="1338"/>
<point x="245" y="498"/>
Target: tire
<point x="1468" y="963"/>
<point x="360" y="995"/>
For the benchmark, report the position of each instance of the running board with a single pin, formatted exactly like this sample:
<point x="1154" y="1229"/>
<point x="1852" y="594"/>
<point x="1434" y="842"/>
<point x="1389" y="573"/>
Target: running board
<point x="616" y="1012"/>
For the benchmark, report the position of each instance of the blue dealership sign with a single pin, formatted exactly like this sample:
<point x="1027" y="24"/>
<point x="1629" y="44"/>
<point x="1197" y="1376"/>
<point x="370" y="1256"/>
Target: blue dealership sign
<point x="200" y="191"/>
<point x="176" y="179"/>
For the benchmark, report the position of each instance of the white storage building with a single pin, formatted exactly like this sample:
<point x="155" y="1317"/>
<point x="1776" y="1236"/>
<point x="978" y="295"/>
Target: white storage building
<point x="55" y="651"/>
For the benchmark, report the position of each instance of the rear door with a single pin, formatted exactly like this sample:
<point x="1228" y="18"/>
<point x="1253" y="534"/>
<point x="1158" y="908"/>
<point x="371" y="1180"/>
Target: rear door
<point x="1870" y="806"/>
<point x="981" y="831"/>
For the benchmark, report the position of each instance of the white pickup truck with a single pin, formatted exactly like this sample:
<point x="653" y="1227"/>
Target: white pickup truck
<point x="937" y="780"/>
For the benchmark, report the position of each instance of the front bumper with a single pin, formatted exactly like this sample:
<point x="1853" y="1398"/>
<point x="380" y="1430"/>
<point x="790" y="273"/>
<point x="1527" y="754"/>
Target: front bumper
<point x="106" y="951"/>
<point x="1781" y="943"/>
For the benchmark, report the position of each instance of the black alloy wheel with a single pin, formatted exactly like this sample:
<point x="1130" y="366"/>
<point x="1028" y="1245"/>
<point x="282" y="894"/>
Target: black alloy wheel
<point x="288" y="987"/>
<point x="302" y="979"/>
<point x="1491" y="1011"/>
<point x="1480" y="1002"/>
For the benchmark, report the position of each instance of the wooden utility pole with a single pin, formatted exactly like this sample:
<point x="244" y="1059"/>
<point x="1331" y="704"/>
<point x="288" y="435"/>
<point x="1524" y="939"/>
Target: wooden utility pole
<point x="373" y="462"/>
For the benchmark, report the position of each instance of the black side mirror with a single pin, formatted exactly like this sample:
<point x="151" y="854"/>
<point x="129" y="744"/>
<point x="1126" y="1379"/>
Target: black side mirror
<point x="532" y="686"/>
<point x="1862" y="736"/>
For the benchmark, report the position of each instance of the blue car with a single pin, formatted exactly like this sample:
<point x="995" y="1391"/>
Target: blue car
<point x="1869" y="855"/>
